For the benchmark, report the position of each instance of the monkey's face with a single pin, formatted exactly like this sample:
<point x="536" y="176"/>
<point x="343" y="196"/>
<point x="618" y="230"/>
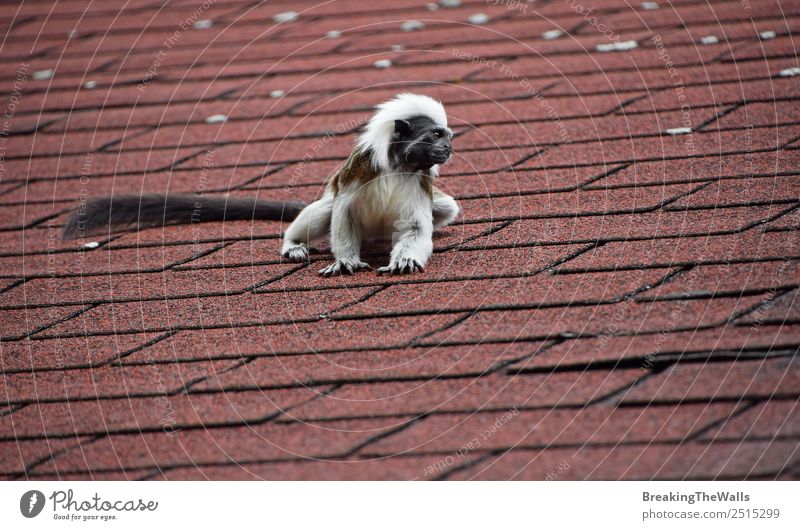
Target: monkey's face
<point x="419" y="143"/>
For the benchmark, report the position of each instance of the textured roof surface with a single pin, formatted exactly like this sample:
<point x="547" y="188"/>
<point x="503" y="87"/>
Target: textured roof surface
<point x="617" y="299"/>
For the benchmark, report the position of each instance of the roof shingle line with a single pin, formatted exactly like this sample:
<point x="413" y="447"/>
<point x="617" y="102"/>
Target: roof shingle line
<point x="740" y="409"/>
<point x="462" y="245"/>
<point x="366" y="68"/>
<point x="321" y="112"/>
<point x="30" y="466"/>
<point x="543" y="345"/>
<point x="511" y="55"/>
<point x="483" y="247"/>
<point x="616" y="396"/>
<point x="484" y="455"/>
<point x="664" y="157"/>
<point x="322" y="391"/>
<point x="515" y="97"/>
<point x="46" y="326"/>
<point x="310" y="18"/>
<point x="662" y="361"/>
<point x="115" y="359"/>
<point x="274" y="167"/>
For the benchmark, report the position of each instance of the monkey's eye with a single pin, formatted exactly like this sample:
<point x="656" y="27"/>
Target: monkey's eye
<point x="437" y="133"/>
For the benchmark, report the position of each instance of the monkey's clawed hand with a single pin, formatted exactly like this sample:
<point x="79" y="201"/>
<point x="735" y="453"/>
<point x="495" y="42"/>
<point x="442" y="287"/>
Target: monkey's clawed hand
<point x="298" y="252"/>
<point x="344" y="266"/>
<point x="402" y="266"/>
<point x="351" y="266"/>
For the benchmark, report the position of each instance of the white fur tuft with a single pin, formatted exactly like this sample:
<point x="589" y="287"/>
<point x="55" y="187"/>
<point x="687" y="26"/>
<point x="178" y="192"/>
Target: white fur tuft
<point x="378" y="133"/>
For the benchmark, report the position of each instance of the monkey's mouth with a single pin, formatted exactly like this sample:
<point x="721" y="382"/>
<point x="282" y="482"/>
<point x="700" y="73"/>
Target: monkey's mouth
<point x="440" y="156"/>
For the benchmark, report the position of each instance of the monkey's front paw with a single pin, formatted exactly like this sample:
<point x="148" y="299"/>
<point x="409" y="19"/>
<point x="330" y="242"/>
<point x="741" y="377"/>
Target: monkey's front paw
<point x="343" y="266"/>
<point x="402" y="266"/>
<point x="298" y="252"/>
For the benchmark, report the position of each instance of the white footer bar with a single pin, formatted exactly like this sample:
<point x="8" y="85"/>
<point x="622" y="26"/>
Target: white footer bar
<point x="399" y="505"/>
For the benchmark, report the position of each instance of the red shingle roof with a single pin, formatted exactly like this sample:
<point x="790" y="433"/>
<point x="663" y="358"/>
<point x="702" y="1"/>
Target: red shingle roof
<point x="617" y="300"/>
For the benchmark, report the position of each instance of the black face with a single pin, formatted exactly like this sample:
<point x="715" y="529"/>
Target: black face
<point x="419" y="144"/>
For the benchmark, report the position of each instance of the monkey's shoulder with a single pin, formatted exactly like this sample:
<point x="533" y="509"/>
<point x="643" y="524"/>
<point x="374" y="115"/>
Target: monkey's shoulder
<point x="359" y="173"/>
<point x="357" y="169"/>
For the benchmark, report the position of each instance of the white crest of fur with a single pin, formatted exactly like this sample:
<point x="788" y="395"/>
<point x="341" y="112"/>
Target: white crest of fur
<point x="378" y="133"/>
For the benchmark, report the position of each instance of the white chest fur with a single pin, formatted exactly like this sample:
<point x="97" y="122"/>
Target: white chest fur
<point x="378" y="206"/>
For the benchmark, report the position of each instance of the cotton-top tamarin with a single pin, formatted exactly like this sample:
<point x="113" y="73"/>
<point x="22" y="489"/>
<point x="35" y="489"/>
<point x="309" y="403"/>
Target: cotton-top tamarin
<point x="383" y="191"/>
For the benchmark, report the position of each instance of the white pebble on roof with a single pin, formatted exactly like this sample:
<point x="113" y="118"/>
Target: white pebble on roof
<point x="617" y="46"/>
<point x="43" y="74"/>
<point x="286" y="16"/>
<point x="552" y="34"/>
<point x="411" y="25"/>
<point x="678" y="130"/>
<point x="478" y="19"/>
<point x="216" y="118"/>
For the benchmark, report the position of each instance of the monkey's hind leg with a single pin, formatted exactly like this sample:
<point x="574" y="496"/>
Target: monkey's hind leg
<point x="312" y="223"/>
<point x="445" y="209"/>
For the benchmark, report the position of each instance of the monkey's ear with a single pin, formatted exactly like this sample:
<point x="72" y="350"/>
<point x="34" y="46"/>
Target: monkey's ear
<point x="401" y="128"/>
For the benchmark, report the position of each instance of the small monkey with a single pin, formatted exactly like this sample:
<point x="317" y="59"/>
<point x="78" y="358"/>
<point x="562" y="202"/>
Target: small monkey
<point x="384" y="190"/>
